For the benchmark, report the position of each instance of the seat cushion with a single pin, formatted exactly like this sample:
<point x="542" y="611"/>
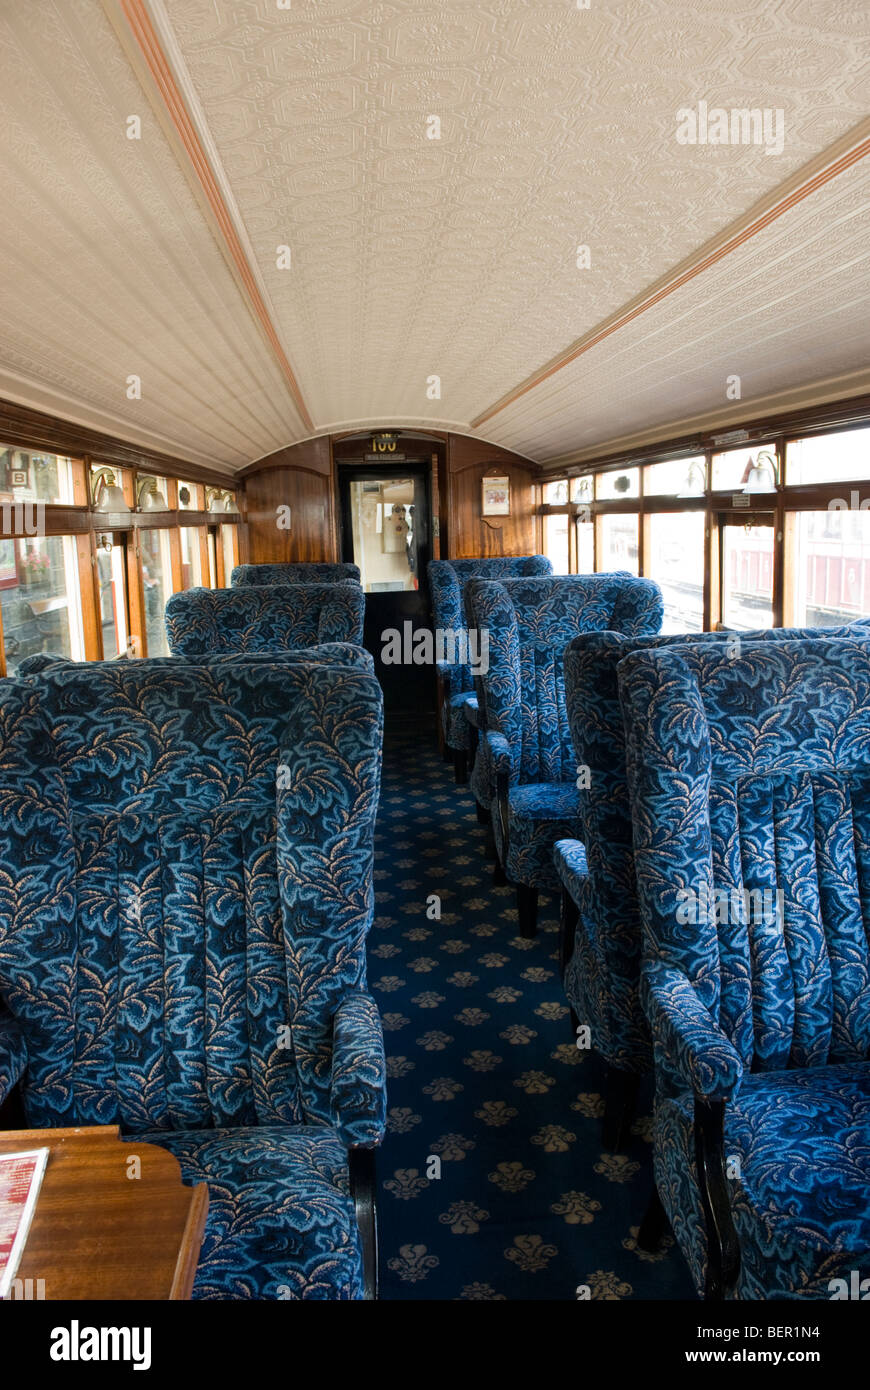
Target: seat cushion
<point x="798" y="1143"/>
<point x="540" y="813"/>
<point x="281" y="1222"/>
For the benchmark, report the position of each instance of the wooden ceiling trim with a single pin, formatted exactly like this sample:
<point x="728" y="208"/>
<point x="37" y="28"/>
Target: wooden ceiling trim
<point x="148" y="42"/>
<point x="703" y="261"/>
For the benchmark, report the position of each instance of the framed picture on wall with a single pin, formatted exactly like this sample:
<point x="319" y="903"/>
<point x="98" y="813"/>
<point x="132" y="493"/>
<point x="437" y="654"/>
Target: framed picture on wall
<point x="496" y="497"/>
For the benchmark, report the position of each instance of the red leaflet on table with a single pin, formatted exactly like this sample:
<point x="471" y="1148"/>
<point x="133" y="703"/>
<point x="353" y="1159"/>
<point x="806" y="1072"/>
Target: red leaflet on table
<point x="20" y="1180"/>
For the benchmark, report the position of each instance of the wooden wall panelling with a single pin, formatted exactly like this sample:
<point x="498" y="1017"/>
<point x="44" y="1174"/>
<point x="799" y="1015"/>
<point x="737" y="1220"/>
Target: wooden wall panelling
<point x="34" y="430"/>
<point x="89" y="588"/>
<point x="470" y="533"/>
<point x="311" y="535"/>
<point x="136" y="596"/>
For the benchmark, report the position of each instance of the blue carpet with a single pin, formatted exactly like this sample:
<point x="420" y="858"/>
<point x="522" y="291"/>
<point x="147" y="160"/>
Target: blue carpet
<point x="485" y="1078"/>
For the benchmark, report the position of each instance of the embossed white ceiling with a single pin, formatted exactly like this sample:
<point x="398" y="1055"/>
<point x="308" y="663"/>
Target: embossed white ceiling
<point x="414" y="257"/>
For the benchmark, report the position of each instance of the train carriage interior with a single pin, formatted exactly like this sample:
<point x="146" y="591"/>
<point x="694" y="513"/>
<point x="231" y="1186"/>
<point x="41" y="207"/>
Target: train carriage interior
<point x="435" y="658"/>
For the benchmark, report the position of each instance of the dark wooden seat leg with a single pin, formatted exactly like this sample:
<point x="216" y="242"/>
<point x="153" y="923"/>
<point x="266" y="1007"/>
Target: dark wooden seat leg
<point x="654" y="1225"/>
<point x="483" y="816"/>
<point x="567" y="930"/>
<point x="363" y="1187"/>
<point x="619" y="1104"/>
<point x="527" y="909"/>
<point x="460" y="766"/>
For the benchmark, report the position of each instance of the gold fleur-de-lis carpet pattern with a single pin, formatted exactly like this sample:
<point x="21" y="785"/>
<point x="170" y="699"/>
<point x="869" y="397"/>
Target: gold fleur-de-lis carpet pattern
<point x="485" y="1083"/>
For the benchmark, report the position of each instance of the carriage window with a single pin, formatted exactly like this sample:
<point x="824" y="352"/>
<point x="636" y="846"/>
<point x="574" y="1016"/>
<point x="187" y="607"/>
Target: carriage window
<point x="188" y="497"/>
<point x="829" y="457"/>
<point x="157" y="586"/>
<point x="676" y="478"/>
<point x="230" y="548"/>
<point x="556" y="494"/>
<point x="26" y="476"/>
<point x="191" y="557"/>
<point x="112" y="579"/>
<point x="618" y="483"/>
<point x="675" y="560"/>
<point x="828" y="564"/>
<point x="585" y="546"/>
<point x="732" y="470"/>
<point x="747" y="576"/>
<point x="39" y="594"/>
<point x="556" y="541"/>
<point x="617" y="542"/>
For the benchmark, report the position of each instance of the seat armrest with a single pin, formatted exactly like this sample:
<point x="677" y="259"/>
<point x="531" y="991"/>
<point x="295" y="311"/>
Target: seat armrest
<point x="13" y="1054"/>
<point x="684" y="1030"/>
<point x="358" y="1088"/>
<point x="445" y="670"/>
<point x="500" y="754"/>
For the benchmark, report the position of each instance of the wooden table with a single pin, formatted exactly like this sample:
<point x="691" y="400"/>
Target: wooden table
<point x="99" y="1233"/>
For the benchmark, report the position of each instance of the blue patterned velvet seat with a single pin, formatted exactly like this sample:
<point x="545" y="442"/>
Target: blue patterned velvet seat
<point x="299" y="572"/>
<point x="447" y="582"/>
<point x="328" y="654"/>
<point x="185" y="894"/>
<point x="270" y="618"/>
<point x="749" y="778"/>
<point x="527" y="771"/>
<point x="596" y="871"/>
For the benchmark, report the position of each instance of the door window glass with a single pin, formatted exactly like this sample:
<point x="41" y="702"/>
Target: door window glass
<point x="39" y="593"/>
<point x="747" y="577"/>
<point x="618" y="549"/>
<point x="156" y="586"/>
<point x="111" y="576"/>
<point x="386" y="533"/>
<point x="676" y="562"/>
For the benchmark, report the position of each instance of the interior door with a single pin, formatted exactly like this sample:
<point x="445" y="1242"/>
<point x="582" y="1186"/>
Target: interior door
<point x="385" y="526"/>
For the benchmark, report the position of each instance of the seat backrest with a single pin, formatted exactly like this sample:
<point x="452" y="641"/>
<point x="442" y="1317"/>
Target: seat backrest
<point x="268" y="618"/>
<point x="610" y="916"/>
<point x="530" y="623"/>
<point x="447" y="581"/>
<point x="186" y="875"/>
<point x="298" y="572"/>
<point x="328" y="654"/>
<point x="749" y="778"/>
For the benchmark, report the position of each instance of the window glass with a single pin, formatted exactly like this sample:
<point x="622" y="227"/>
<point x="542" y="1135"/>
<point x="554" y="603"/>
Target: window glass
<point x="39" y="594"/>
<point x="229" y="542"/>
<point x="676" y="478"/>
<point x="556" y="494"/>
<point x="828" y="561"/>
<point x="676" y="562"/>
<point x="35" y="477"/>
<point x="585" y="546"/>
<point x="556" y="541"/>
<point x="731" y="470"/>
<point x="583" y="489"/>
<point x="212" y="557"/>
<point x="623" y="482"/>
<point x="747" y="577"/>
<point x="151" y="493"/>
<point x="157" y="586"/>
<point x="618" y="548"/>
<point x="188" y="497"/>
<point x="829" y="457"/>
<point x="112" y="578"/>
<point x="191" y="557"/>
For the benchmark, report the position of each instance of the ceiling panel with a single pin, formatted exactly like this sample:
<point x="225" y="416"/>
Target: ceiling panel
<point x="414" y="257"/>
<point x="110" y="267"/>
<point x="458" y="257"/>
